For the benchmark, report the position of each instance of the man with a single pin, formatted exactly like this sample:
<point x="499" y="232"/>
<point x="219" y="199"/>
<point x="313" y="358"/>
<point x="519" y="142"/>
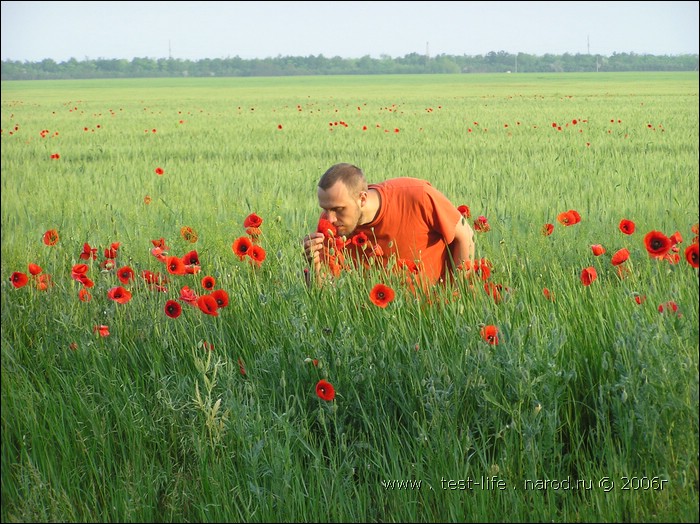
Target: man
<point x="402" y="222"/>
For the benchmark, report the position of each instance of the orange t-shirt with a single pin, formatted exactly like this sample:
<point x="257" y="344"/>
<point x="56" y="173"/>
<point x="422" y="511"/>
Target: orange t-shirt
<point x="415" y="222"/>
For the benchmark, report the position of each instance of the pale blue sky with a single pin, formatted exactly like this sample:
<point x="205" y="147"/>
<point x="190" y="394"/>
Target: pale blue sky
<point x="33" y="31"/>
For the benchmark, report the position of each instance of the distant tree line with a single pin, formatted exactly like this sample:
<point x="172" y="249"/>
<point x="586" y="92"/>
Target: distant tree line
<point x="414" y="63"/>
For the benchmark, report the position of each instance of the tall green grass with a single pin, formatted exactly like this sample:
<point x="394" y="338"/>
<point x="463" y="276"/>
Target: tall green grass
<point x="158" y="421"/>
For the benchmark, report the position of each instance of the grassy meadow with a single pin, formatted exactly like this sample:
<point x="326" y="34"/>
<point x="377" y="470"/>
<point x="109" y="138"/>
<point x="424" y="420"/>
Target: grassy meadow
<point x="124" y="401"/>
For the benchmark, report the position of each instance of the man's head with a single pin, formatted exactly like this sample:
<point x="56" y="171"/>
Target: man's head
<point x="342" y="193"/>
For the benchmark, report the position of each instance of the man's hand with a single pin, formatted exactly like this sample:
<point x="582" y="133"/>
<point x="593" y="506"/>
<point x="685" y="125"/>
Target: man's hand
<point x="313" y="244"/>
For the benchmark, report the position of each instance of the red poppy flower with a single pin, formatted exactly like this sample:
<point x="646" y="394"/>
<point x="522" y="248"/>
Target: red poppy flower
<point x="188" y="234"/>
<point x="221" y="297"/>
<point x="102" y="330"/>
<point x="79" y="269"/>
<point x="334" y="266"/>
<point x="481" y="266"/>
<point x="376" y="251"/>
<point x="489" y="334"/>
<point x="669" y="306"/>
<point x="672" y="258"/>
<point x="691" y="254"/>
<point x="79" y="274"/>
<point x="125" y="274"/>
<point x="119" y="294"/>
<point x="208" y="282"/>
<point x="173" y="308"/>
<point x="160" y="243"/>
<point x="407" y="265"/>
<point x="257" y="254"/>
<point x="208" y="305"/>
<point x="465" y="211"/>
<point x="252" y="220"/>
<point x="547" y="229"/>
<point x="568" y="218"/>
<point x="175" y="265"/>
<point x="640" y="299"/>
<point x="340" y="243"/>
<point x="19" y="279"/>
<point x="187" y="295"/>
<point x="627" y="226"/>
<point x="548" y="294"/>
<point x="83" y="279"/>
<point x="84" y="295"/>
<point x="192" y="270"/>
<point x="43" y="282"/>
<point x="51" y="237"/>
<point x="327" y="228"/>
<point x="34" y="269"/>
<point x="381" y="295"/>
<point x="657" y="244"/>
<point x="588" y="275"/>
<point x="360" y="239"/>
<point x="597" y="249"/>
<point x="159" y="171"/>
<point x="191" y="259"/>
<point x="159" y="254"/>
<point x="481" y="224"/>
<point x="241" y="246"/>
<point x="620" y="256"/>
<point x="493" y="290"/>
<point x="111" y="251"/>
<point x="325" y="390"/>
<point x="153" y="278"/>
<point x="88" y="252"/>
<point x="253" y="232"/>
<point x="676" y="238"/>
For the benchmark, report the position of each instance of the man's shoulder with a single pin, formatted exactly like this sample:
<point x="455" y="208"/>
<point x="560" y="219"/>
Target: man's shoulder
<point x="399" y="182"/>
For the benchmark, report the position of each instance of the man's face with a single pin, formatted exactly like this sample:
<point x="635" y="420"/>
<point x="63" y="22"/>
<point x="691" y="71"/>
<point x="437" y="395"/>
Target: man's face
<point x="340" y="208"/>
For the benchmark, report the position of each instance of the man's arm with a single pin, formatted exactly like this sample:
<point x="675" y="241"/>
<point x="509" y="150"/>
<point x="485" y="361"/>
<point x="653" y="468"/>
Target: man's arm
<point x="462" y="247"/>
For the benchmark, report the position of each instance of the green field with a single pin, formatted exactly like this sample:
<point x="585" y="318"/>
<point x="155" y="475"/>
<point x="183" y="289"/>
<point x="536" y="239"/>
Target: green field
<point x="585" y="410"/>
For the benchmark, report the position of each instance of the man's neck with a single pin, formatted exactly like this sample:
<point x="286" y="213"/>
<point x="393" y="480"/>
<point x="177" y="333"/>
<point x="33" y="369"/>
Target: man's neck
<point x="371" y="209"/>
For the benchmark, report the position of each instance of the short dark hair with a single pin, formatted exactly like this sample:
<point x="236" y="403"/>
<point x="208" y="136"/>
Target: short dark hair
<point x="350" y="175"/>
